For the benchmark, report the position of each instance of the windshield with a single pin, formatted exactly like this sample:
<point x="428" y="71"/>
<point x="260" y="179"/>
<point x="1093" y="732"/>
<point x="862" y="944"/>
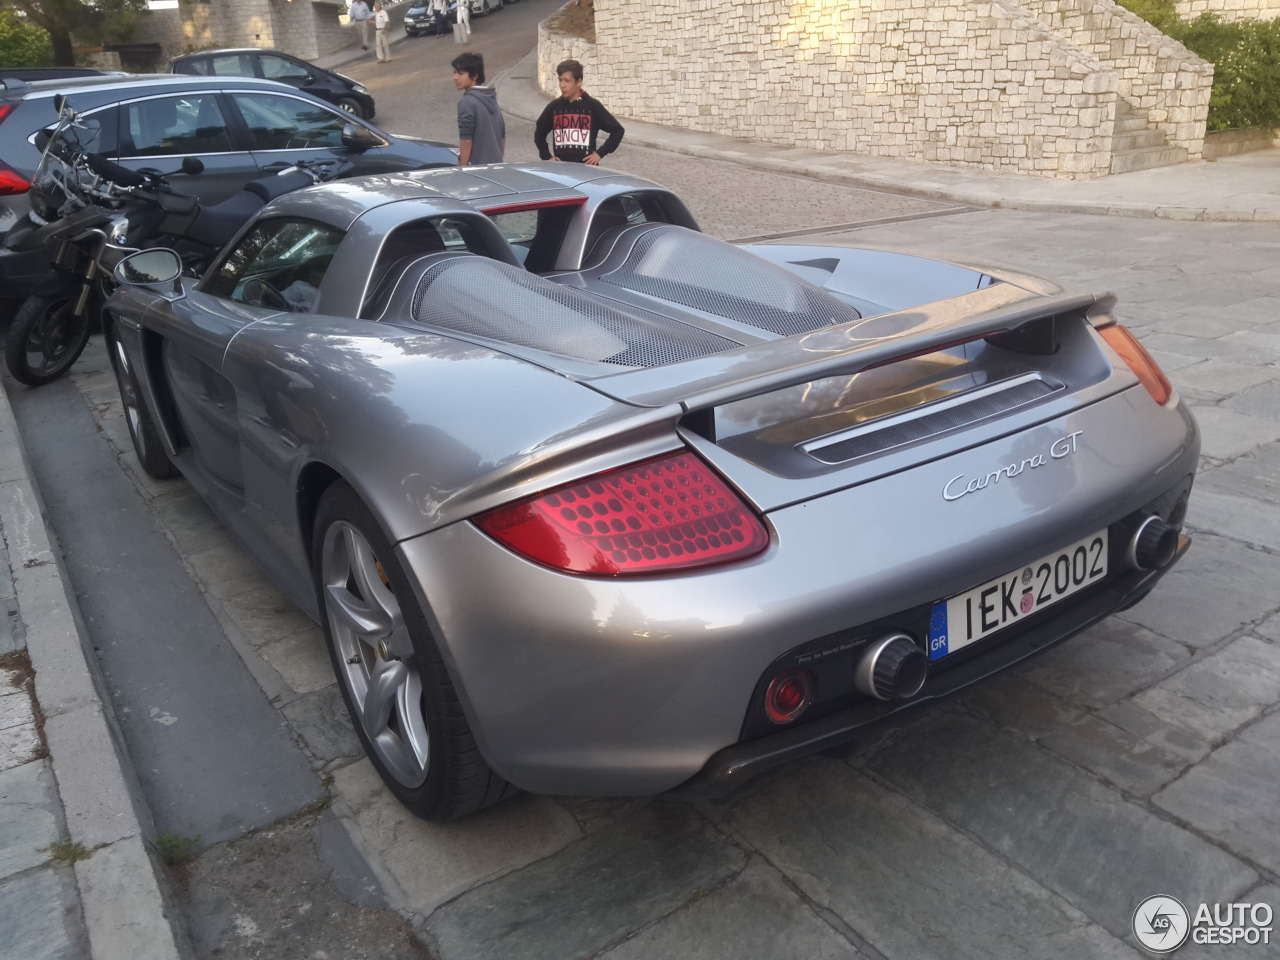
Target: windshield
<point x="58" y="177"/>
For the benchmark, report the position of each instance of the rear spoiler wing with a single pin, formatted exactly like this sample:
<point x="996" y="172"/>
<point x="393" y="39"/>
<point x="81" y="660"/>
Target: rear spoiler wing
<point x="1008" y="315"/>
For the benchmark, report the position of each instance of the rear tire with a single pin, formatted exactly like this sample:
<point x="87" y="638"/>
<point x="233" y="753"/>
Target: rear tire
<point x="352" y="106"/>
<point x="147" y="445"/>
<point x="401" y="699"/>
<point x="44" y="340"/>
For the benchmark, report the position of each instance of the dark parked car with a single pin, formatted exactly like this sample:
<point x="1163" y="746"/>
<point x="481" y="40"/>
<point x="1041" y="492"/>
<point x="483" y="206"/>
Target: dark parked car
<point x="273" y="65"/>
<point x="240" y="128"/>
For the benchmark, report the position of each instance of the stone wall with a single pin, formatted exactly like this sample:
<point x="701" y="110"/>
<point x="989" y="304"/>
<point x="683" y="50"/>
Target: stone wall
<point x="303" y="28"/>
<point x="1158" y="76"/>
<point x="985" y="83"/>
<point x="1231" y="9"/>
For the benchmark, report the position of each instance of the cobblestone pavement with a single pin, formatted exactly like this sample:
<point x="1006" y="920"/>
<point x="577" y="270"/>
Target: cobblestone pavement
<point x="1026" y="819"/>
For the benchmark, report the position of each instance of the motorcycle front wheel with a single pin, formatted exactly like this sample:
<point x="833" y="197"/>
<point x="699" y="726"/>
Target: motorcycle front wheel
<point x="44" y="340"/>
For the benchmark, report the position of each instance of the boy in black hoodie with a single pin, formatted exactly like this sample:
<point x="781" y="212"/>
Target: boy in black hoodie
<point x="482" y="134"/>
<point x="574" y="120"/>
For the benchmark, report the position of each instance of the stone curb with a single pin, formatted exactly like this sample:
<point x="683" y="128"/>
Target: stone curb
<point x="521" y="97"/>
<point x="121" y="888"/>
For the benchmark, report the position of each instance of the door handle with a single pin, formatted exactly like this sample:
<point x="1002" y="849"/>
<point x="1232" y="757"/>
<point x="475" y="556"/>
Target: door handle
<point x="273" y="168"/>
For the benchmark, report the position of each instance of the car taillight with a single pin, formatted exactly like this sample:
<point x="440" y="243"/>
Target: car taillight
<point x="789" y="695"/>
<point x="1138" y="360"/>
<point x="11" y="183"/>
<point x="668" y="513"/>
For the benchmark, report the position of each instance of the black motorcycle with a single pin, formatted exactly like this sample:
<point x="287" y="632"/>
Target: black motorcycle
<point x="91" y="213"/>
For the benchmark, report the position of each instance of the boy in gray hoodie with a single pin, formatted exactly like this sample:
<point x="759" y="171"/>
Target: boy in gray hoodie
<point x="482" y="134"/>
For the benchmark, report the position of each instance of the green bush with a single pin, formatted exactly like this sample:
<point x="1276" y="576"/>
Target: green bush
<point x="1246" y="61"/>
<point x="21" y="44"/>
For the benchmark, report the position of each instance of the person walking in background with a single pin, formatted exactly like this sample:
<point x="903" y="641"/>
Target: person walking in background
<point x="363" y="19"/>
<point x="464" y="20"/>
<point x="440" y="15"/>
<point x="574" y="121"/>
<point x="482" y="133"/>
<point x="381" y="25"/>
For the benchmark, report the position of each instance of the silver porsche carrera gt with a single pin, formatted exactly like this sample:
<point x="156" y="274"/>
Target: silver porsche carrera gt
<point x="589" y="502"/>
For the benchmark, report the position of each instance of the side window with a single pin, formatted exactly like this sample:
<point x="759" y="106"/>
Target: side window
<point x="279" y="264"/>
<point x="230" y="65"/>
<point x="174" y="126"/>
<point x="198" y="66"/>
<point x="287" y="123"/>
<point x="278" y="68"/>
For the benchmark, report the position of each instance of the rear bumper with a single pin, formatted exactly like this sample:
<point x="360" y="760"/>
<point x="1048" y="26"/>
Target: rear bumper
<point x="647" y="685"/>
<point x="733" y="766"/>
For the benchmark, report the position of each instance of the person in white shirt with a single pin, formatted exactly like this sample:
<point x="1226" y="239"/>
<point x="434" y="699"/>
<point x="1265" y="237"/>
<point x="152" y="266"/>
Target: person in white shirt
<point x="381" y="44"/>
<point x="363" y="19"/>
<point x="464" y="19"/>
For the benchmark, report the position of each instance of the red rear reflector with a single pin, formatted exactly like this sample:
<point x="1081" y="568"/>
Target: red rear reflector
<point x="1138" y="360"/>
<point x="5" y="110"/>
<point x="669" y="513"/>
<point x="789" y="695"/>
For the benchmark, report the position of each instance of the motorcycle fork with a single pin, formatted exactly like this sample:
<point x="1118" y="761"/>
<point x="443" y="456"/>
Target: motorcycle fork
<point x="86" y="287"/>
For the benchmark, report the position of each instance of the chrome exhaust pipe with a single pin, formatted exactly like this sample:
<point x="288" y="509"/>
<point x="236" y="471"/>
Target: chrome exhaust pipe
<point x="1153" y="546"/>
<point x="892" y="668"/>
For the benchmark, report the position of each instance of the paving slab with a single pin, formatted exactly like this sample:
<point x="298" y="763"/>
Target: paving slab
<point x="1219" y="693"/>
<point x="1170" y="737"/>
<point x="593" y="894"/>
<point x="1108" y="662"/>
<point x="19" y="739"/>
<point x="908" y="883"/>
<point x="755" y="916"/>
<point x="320" y="718"/>
<point x="40" y="917"/>
<point x="302" y="659"/>
<point x="432" y="863"/>
<point x="1076" y="836"/>
<point x="1232" y="795"/>
<point x="30" y="818"/>
<point x="1221" y="378"/>
<point x="1261" y="401"/>
<point x="1218" y="587"/>
<point x="1226" y="434"/>
<point x="1250" y="521"/>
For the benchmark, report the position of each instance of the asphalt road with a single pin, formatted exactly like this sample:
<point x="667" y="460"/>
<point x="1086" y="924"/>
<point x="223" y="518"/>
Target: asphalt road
<point x="1026" y="819"/>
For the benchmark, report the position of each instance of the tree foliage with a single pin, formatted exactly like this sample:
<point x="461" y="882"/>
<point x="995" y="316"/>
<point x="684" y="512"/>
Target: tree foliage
<point x="21" y="44"/>
<point x="90" y="21"/>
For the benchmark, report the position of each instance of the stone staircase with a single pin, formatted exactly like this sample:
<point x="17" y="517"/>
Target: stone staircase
<point x="1136" y="145"/>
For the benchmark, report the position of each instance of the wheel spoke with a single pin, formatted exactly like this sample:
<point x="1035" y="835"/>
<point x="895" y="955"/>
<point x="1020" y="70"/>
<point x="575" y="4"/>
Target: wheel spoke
<point x="381" y="696"/>
<point x="368" y="621"/>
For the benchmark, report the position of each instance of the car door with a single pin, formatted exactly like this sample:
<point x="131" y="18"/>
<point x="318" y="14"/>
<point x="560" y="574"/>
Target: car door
<point x="159" y="131"/>
<point x="284" y="129"/>
<point x="285" y="70"/>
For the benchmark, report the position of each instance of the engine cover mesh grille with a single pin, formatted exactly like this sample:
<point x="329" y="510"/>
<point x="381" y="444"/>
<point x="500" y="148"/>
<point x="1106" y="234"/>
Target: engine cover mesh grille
<point x="487" y="298"/>
<point x="932" y="424"/>
<point x="695" y="270"/>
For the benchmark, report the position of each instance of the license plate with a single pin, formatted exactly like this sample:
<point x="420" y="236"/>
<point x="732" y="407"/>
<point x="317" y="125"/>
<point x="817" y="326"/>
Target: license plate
<point x="969" y="617"/>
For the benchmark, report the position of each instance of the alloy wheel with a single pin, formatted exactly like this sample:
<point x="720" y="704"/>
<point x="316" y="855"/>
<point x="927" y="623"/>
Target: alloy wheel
<point x="375" y="653"/>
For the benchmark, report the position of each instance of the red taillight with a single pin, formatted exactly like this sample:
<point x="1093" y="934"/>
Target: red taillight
<point x="669" y="513"/>
<point x="789" y="695"/>
<point x="11" y="183"/>
<point x="1138" y="360"/>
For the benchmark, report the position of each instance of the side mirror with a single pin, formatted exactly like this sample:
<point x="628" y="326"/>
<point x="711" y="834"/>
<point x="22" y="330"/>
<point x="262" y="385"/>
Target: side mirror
<point x="358" y="138"/>
<point x="192" y="166"/>
<point x="147" y="267"/>
<point x="59" y="101"/>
